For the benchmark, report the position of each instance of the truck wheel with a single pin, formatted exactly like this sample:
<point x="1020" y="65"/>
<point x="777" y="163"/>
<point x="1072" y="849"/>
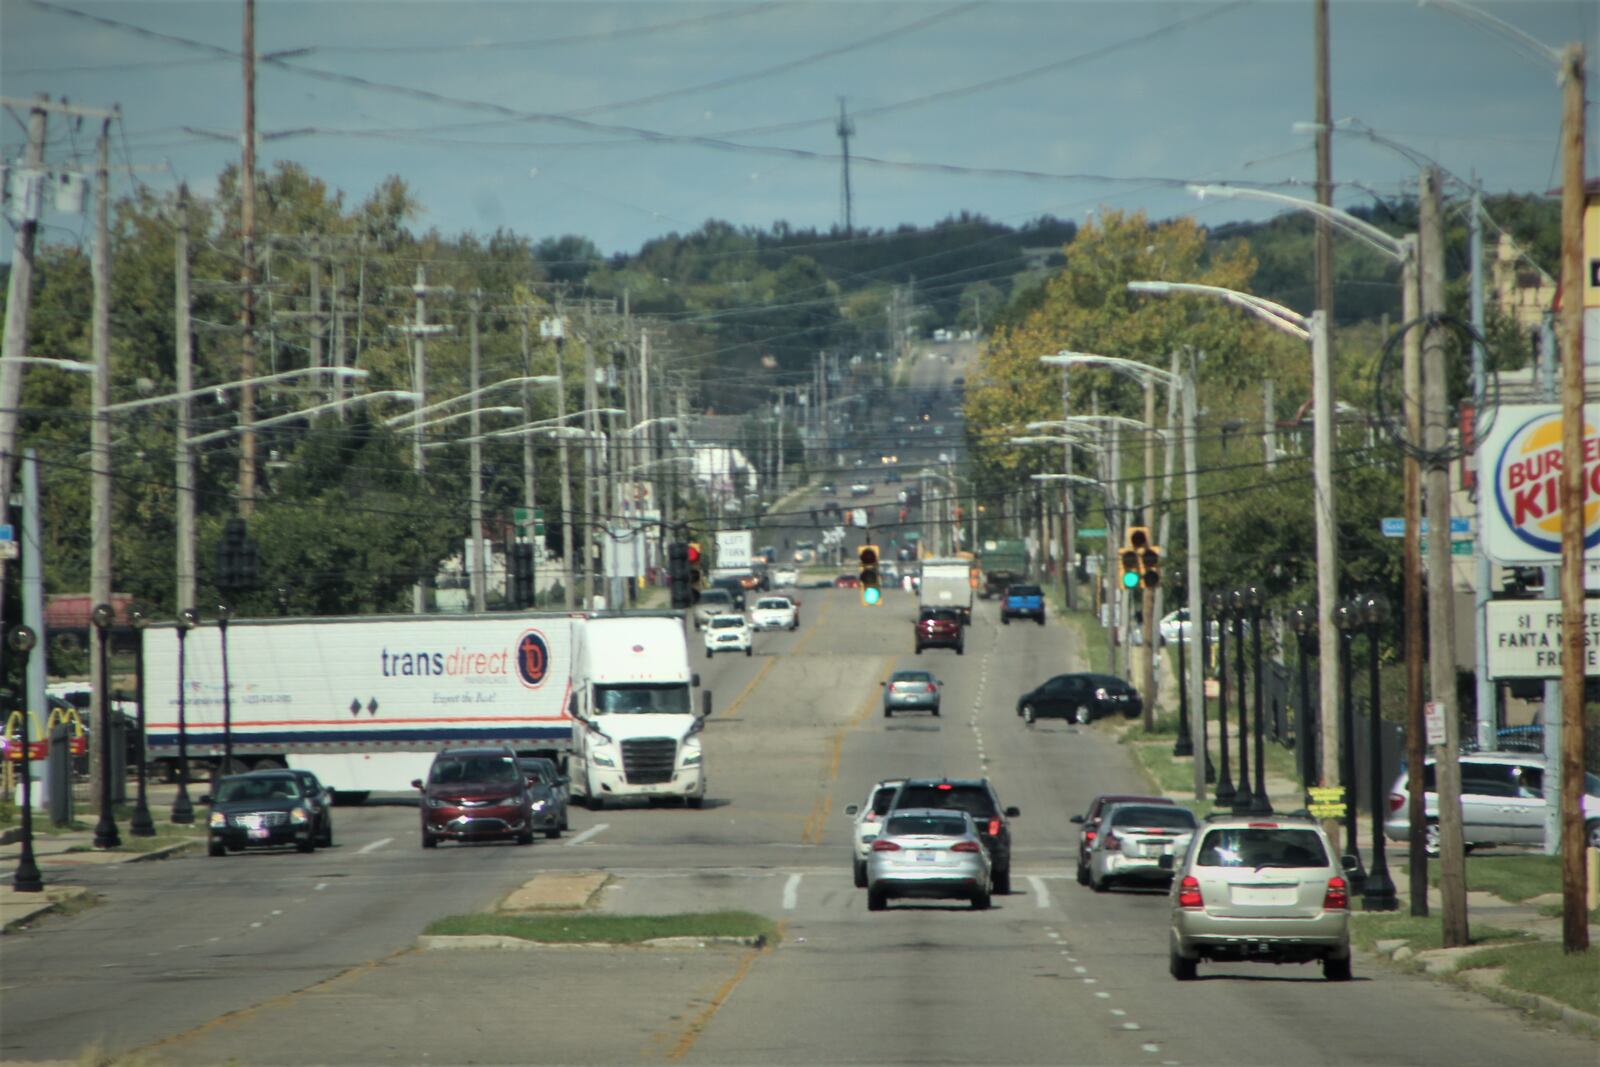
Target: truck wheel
<point x="696" y="802"/>
<point x="309" y="844"/>
<point x="1040" y="620"/>
<point x="215" y="848"/>
<point x="961" y="650"/>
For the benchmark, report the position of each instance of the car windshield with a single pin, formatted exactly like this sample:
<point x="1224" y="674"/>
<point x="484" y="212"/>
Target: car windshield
<point x="972" y="799"/>
<point x="642" y="699"/>
<point x="727" y="622"/>
<point x="1281" y="846"/>
<point x="926" y="826"/>
<point x="1162" y="818"/>
<point x="235" y="789"/>
<point x="452" y="770"/>
<point x="918" y="677"/>
<point x="538" y="770"/>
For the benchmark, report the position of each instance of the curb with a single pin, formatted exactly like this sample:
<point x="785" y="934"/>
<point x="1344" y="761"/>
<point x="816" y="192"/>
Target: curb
<point x="470" y="942"/>
<point x="51" y="900"/>
<point x="1488" y="984"/>
<point x="164" y="852"/>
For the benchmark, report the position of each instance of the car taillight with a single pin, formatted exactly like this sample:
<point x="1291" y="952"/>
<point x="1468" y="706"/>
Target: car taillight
<point x="994" y="827"/>
<point x="881" y="845"/>
<point x="1089" y="836"/>
<point x="1189" y="893"/>
<point x="1396" y="802"/>
<point x="965" y="846"/>
<point x="944" y="787"/>
<point x="932" y="688"/>
<point x="1338" y="895"/>
<point x="1113" y="842"/>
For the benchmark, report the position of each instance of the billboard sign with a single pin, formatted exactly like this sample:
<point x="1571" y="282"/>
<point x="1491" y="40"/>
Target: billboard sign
<point x="1525" y="638"/>
<point x="1520" y="506"/>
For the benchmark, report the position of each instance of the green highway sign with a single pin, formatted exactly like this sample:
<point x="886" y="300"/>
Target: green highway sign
<point x="1092" y="531"/>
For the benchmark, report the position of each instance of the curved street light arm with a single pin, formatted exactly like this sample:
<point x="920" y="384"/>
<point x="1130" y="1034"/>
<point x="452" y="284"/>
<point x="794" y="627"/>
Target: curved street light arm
<point x="190" y="394"/>
<point x="1389" y="245"/>
<point x="536" y="379"/>
<point x="361" y="398"/>
<point x="1132" y="367"/>
<point x="1286" y="319"/>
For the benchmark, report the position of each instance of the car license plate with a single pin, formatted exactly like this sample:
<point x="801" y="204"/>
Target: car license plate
<point x="259" y="833"/>
<point x="927" y="857"/>
<point x="1265" y="895"/>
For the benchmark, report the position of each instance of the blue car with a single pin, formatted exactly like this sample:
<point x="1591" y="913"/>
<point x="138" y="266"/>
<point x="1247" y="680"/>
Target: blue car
<point x="1022" y="602"/>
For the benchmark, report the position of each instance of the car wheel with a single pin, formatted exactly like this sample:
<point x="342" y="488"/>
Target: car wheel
<point x="981" y="901"/>
<point x="696" y="802"/>
<point x="1080" y="715"/>
<point x="961" y="650"/>
<point x="1430" y="838"/>
<point x="1336" y="970"/>
<point x="887" y="712"/>
<point x="308" y="844"/>
<point x="708" y="653"/>
<point x="1002" y="880"/>
<point x="919" y="650"/>
<point x="429" y="841"/>
<point x="216" y="848"/>
<point x="564" y="827"/>
<point x="935" y="711"/>
<point x="1183" y="970"/>
<point x="327" y="837"/>
<point x="1028" y="714"/>
<point x="525" y="838"/>
<point x="1083" y="874"/>
<point x="1099" y="885"/>
<point x="1040" y="620"/>
<point x="749" y="650"/>
<point x="858" y="870"/>
<point x="876" y="900"/>
<point x="1005" y="620"/>
<point x="553" y="833"/>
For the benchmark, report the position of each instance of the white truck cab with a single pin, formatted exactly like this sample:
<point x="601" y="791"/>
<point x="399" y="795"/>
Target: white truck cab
<point x="635" y="729"/>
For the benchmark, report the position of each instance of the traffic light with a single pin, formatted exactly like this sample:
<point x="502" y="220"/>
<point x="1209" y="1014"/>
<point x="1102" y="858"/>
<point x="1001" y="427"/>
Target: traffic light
<point x="694" y="571"/>
<point x="1132" y="555"/>
<point x="678" y="574"/>
<point x="871" y="578"/>
<point x="1150" y="566"/>
<point x="522" y="574"/>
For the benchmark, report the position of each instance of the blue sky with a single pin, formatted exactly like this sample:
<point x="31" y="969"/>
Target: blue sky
<point x="1137" y="97"/>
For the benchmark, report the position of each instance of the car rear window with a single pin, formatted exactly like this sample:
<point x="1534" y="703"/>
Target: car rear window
<point x="972" y="799"/>
<point x="773" y="602"/>
<point x="1154" y="818"/>
<point x="1025" y="590"/>
<point x="719" y="596"/>
<point x="1281" y="846"/>
<point x="926" y="826"/>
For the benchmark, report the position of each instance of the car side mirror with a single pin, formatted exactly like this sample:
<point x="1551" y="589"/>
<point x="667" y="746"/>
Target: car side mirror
<point x="416" y="783"/>
<point x="851" y="809"/>
<point x="1076" y="819"/>
<point x="1351" y="863"/>
<point x="694" y="679"/>
<point x="883" y="685"/>
<point x="563" y="780"/>
<point x="1012" y="813"/>
<point x="205" y="799"/>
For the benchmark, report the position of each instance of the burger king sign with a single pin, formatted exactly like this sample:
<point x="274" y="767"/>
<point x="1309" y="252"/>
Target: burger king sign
<point x="1520" y="507"/>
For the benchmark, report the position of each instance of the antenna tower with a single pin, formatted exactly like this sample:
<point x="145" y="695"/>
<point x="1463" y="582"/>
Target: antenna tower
<point x="845" y="130"/>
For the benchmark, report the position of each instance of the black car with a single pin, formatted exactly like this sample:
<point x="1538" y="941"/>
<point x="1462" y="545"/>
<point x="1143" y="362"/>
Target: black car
<point x="977" y="798"/>
<point x="1080" y="698"/>
<point x="319" y="798"/>
<point x="262" y="809"/>
<point x="548" y="786"/>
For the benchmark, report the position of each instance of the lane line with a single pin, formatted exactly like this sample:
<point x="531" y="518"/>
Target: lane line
<point x="374" y="846"/>
<point x="811" y="833"/>
<point x="1041" y="895"/>
<point x="791" y="892"/>
<point x="697" y="1025"/>
<point x="587" y="834"/>
<point x="749" y="687"/>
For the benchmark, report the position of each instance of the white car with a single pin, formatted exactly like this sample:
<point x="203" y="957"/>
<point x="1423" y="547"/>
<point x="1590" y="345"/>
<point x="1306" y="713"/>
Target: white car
<point x="728" y="633"/>
<point x="775" y="613"/>
<point x="868" y="819"/>
<point x="787" y="576"/>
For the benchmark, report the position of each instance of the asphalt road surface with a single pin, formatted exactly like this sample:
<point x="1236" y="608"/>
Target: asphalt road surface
<point x="279" y="958"/>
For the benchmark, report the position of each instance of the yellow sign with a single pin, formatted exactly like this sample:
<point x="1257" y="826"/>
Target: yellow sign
<point x="1327" y="802"/>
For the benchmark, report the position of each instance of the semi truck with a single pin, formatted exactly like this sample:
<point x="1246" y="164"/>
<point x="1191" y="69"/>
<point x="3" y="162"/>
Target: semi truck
<point x="366" y="702"/>
<point x="1003" y="561"/>
<point x="948" y="583"/>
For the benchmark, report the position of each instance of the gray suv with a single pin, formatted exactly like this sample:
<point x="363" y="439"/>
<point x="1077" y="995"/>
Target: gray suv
<point x="1254" y="889"/>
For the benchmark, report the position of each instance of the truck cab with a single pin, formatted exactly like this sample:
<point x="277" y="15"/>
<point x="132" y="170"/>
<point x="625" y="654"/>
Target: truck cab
<point x="635" y="731"/>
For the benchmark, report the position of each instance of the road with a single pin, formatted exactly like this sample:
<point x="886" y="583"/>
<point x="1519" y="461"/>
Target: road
<point x="280" y="958"/>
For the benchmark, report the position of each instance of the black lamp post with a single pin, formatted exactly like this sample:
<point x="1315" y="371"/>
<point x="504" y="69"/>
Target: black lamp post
<point x="140" y="824"/>
<point x="182" y="807"/>
<point x="1347" y="617"/>
<point x="1304" y="621"/>
<point x="105" y="830"/>
<point x="26" y="880"/>
<point x="1262" y="804"/>
<point x="1243" y="801"/>
<point x="1377" y="893"/>
<point x="1220" y="610"/>
<point x="224" y="614"/>
<point x="1184" y="745"/>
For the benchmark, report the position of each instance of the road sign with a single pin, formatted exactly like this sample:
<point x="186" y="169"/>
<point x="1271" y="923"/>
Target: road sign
<point x="733" y="548"/>
<point x="9" y="549"/>
<point x="521" y="517"/>
<point x="1327" y="802"/>
<point x="1524" y="638"/>
<point x="1460" y="526"/>
<point x="1433" y="722"/>
<point x="1092" y="531"/>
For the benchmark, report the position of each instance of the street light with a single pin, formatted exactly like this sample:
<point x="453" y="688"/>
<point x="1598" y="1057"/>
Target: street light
<point x="211" y="390"/>
<point x="26" y="879"/>
<point x="1378" y="893"/>
<point x="105" y="830"/>
<point x="224" y="615"/>
<point x="1243" y="800"/>
<point x="140" y="824"/>
<point x="182" y="808"/>
<point x="411" y="416"/>
<point x="332" y="405"/>
<point x="1221" y="611"/>
<point x="1262" y="804"/>
<point x="1304" y="622"/>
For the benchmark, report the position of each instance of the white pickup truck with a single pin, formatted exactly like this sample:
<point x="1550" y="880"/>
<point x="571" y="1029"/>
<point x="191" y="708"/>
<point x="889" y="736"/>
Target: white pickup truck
<point x="947" y="583"/>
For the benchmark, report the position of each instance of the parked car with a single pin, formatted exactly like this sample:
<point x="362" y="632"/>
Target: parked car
<point x="319" y="799"/>
<point x="929" y="852"/>
<point x="861" y="489"/>
<point x="261" y="809"/>
<point x="550" y="793"/>
<point x="1503" y="802"/>
<point x="910" y="691"/>
<point x="1080" y="698"/>
<point x="785" y="576"/>
<point x="713" y="602"/>
<point x="940" y="628"/>
<point x="977" y="798"/>
<point x="1174" y="626"/>
<point x="1090" y="823"/>
<point x="775" y="613"/>
<point x="474" y="794"/>
<point x="729" y="633"/>
<point x="1262" y="889"/>
<point x="1134" y="839"/>
<point x="1022" y="602"/>
<point x="868" y="818"/>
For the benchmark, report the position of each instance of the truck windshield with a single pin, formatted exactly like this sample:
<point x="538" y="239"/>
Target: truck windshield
<point x="641" y="699"/>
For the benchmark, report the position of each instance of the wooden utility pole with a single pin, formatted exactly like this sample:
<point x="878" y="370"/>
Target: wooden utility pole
<point x="1574" y="917"/>
<point x="1411" y="600"/>
<point x="100" y="451"/>
<point x="477" y="564"/>
<point x="247" y="259"/>
<point x="1147" y="592"/>
<point x="591" y="426"/>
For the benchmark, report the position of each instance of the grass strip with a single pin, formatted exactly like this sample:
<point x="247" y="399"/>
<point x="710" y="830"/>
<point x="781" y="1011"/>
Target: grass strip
<point x="609" y="929"/>
<point x="1545" y="969"/>
<point x="1422" y="932"/>
<point x="1514" y="878"/>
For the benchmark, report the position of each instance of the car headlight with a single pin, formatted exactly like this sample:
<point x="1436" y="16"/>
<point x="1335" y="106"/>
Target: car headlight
<point x="435" y="802"/>
<point x="218" y="819"/>
<point x="538" y="805"/>
<point x="298" y="815"/>
<point x="601" y="759"/>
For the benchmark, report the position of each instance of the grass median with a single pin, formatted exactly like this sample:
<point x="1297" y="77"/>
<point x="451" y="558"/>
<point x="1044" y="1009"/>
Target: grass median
<point x="609" y="929"/>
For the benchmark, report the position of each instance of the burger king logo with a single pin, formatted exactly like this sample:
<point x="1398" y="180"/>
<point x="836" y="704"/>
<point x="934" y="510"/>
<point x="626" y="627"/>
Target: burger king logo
<point x="1527" y="482"/>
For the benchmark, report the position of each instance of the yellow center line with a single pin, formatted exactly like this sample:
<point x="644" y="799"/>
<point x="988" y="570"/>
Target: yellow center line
<point x="811" y="832"/>
<point x="750" y="687"/>
<point x="697" y="1025"/>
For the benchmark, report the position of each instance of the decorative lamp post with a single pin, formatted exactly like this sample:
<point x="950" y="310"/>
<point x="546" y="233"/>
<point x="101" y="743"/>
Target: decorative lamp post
<point x="1347" y="618"/>
<point x="26" y="880"/>
<point x="1184" y="745"/>
<point x="224" y="615"/>
<point x="1220" y="611"/>
<point x="182" y="807"/>
<point x="1378" y="892"/>
<point x="1243" y="801"/>
<point x="1304" y="621"/>
<point x="105" y="830"/>
<point x="1261" y="803"/>
<point x="140" y="824"/>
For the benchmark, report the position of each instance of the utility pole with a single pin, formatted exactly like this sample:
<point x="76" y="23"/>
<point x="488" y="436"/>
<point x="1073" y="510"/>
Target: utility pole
<point x="183" y="357"/>
<point x="1147" y="593"/>
<point x="1483" y="571"/>
<point x="1197" y="633"/>
<point x="591" y="428"/>
<point x="1269" y="423"/>
<point x="1416" y="718"/>
<point x="1574" y="917"/>
<point x="475" y="556"/>
<point x="845" y="129"/>
<point x="420" y="329"/>
<point x="1068" y="517"/>
<point x="529" y="471"/>
<point x="1441" y="635"/>
<point x="100" y="451"/>
<point x="336" y="358"/>
<point x="1324" y="250"/>
<point x="568" y="545"/>
<point x="247" y="309"/>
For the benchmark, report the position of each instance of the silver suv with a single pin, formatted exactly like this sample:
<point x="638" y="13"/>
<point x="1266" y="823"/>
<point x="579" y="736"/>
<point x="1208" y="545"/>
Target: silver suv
<point x="1503" y="802"/>
<point x="1260" y="889"/>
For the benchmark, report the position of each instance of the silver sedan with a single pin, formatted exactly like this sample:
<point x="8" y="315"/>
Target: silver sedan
<point x="928" y="852"/>
<point x="1133" y="841"/>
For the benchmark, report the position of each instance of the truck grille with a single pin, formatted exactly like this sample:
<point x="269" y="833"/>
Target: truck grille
<point x="649" y="760"/>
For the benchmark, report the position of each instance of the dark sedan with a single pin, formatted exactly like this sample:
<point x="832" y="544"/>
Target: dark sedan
<point x="550" y="796"/>
<point x="475" y="794"/>
<point x="1080" y="698"/>
<point x="940" y="628"/>
<point x="262" y="809"/>
<point x="319" y="800"/>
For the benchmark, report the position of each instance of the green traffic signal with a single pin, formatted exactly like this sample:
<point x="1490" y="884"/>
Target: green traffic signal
<point x="1130" y="580"/>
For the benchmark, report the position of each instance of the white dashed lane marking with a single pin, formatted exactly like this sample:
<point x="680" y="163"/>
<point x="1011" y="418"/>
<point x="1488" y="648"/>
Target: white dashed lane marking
<point x="372" y="847"/>
<point x="1041" y="895"/>
<point x="592" y="831"/>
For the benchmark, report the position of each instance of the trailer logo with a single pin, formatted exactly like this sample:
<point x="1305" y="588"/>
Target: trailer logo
<point x="1527" y="483"/>
<point x="533" y="659"/>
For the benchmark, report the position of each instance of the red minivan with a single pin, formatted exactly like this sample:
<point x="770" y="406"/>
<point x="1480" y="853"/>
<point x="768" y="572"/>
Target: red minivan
<point x="940" y="628"/>
<point x="475" y="794"/>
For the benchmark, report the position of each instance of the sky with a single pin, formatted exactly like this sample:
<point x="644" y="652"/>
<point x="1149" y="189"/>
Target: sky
<point x="626" y="121"/>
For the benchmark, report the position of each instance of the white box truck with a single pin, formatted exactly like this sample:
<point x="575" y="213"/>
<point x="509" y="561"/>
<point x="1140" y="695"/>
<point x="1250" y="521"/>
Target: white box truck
<point x="636" y="730"/>
<point x="947" y="583"/>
